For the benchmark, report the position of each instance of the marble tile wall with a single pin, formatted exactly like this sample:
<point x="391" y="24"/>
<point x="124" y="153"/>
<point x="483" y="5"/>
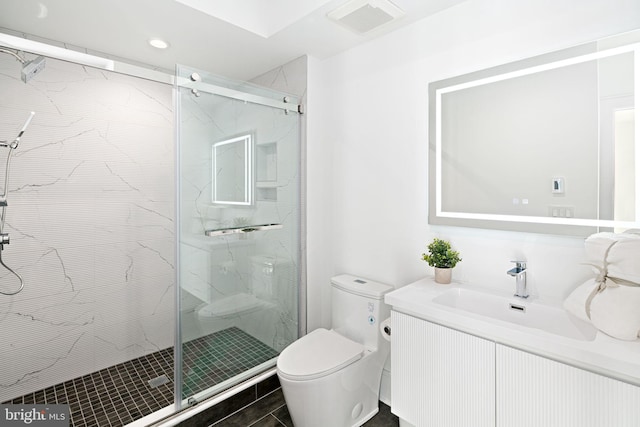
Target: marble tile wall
<point x="91" y="222"/>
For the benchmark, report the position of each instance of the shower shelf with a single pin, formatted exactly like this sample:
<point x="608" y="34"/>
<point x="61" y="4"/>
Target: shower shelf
<point x="242" y="229"/>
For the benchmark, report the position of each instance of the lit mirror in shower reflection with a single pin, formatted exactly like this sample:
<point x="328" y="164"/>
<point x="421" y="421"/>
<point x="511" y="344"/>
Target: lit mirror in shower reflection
<point x="232" y="171"/>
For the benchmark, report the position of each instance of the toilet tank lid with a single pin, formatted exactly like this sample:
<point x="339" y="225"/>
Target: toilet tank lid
<point x="361" y="286"/>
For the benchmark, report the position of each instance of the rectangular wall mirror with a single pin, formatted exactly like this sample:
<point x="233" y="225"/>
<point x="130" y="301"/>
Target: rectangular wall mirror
<point x="547" y="144"/>
<point x="232" y="171"/>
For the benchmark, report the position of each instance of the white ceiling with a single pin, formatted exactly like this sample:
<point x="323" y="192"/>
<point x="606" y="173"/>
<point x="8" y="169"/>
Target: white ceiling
<point x="264" y="18"/>
<point x="236" y="45"/>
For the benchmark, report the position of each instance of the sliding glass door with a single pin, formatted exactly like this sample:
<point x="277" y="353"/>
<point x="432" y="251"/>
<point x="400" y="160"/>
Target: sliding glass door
<point x="238" y="232"/>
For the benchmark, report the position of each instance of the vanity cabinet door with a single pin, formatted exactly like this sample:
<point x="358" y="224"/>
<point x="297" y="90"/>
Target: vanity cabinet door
<point x="441" y="377"/>
<point x="533" y="391"/>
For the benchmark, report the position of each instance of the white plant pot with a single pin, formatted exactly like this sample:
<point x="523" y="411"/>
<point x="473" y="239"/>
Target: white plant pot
<point x="443" y="275"/>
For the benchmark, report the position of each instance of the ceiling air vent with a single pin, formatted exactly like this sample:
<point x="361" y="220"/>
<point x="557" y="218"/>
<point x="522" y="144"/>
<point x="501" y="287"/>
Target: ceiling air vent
<point x="363" y="16"/>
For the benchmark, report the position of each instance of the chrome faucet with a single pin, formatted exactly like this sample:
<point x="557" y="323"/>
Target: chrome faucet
<point x="520" y="273"/>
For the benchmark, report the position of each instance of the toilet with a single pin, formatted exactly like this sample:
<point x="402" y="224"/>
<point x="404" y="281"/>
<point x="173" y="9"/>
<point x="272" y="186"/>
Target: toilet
<point x="332" y="377"/>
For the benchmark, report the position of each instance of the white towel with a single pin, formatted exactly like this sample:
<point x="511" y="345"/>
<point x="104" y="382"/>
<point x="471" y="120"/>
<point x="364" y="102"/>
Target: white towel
<point x="596" y="246"/>
<point x="616" y="312"/>
<point x="623" y="261"/>
<point x="611" y="300"/>
<point x="618" y="254"/>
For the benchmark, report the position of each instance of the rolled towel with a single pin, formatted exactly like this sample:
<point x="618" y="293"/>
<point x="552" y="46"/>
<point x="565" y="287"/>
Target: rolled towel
<point x="611" y="300"/>
<point x="616" y="254"/>
<point x="616" y="312"/>
<point x="623" y="260"/>
<point x="596" y="248"/>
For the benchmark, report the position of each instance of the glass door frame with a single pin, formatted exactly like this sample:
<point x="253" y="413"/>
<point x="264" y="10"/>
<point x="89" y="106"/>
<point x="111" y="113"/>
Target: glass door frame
<point x="247" y="93"/>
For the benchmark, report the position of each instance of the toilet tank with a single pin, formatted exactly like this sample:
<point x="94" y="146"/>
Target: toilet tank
<point x="357" y="308"/>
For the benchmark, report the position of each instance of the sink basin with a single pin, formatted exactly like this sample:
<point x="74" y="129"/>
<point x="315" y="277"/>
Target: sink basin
<point x="531" y="314"/>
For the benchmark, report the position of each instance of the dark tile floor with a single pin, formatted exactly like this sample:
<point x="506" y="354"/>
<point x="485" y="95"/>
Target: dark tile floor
<point x="271" y="411"/>
<point x="123" y="393"/>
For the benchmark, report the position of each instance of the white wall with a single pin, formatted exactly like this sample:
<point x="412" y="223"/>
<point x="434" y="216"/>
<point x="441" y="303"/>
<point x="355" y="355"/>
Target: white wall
<point x="367" y="146"/>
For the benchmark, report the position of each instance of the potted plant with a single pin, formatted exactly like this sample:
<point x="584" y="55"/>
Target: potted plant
<point x="443" y="258"/>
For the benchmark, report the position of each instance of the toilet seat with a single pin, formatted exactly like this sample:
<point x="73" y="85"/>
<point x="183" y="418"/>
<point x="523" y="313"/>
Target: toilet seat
<point x="318" y="354"/>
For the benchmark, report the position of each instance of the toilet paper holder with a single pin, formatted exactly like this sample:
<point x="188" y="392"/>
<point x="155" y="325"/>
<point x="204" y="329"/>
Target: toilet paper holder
<point x="385" y="329"/>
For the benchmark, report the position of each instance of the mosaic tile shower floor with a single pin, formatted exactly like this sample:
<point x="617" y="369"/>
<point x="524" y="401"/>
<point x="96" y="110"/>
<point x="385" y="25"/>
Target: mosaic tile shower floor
<point x="120" y="394"/>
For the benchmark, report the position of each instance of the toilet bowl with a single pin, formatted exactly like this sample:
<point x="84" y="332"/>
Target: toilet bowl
<point x="332" y="377"/>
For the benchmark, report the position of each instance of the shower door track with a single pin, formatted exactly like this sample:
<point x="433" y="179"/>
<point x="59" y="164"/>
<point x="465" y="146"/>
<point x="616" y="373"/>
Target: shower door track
<point x="241" y="96"/>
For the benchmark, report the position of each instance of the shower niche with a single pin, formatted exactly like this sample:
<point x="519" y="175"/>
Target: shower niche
<point x="267" y="172"/>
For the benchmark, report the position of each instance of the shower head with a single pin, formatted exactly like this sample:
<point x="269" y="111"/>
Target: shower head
<point x="31" y="68"/>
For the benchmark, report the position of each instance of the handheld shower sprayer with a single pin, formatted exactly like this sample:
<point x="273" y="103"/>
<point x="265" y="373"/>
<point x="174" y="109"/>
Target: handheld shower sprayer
<point x="4" y="237"/>
<point x="14" y="144"/>
<point x="16" y="141"/>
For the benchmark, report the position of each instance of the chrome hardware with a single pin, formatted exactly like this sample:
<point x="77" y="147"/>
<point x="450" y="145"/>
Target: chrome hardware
<point x="195" y="92"/>
<point x="242" y="229"/>
<point x="286" y="100"/>
<point x="520" y="273"/>
<point x="195" y="77"/>
<point x="4" y="239"/>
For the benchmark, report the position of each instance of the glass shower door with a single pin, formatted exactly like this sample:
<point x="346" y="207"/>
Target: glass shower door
<point x="238" y="231"/>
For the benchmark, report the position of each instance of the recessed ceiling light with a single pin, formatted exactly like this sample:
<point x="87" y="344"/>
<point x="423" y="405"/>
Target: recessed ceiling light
<point x="159" y="44"/>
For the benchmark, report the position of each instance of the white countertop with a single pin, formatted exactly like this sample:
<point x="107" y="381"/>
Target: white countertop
<point x="604" y="355"/>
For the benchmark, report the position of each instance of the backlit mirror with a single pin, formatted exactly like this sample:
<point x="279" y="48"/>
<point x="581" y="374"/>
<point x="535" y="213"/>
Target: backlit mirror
<point x="546" y="144"/>
<point x="232" y="171"/>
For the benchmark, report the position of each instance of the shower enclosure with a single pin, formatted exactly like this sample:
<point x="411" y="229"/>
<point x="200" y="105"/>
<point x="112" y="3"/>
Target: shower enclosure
<point x="116" y="249"/>
<point x="238" y="239"/>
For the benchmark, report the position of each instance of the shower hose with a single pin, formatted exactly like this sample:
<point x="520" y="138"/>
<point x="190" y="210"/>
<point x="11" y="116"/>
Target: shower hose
<point x="3" y="204"/>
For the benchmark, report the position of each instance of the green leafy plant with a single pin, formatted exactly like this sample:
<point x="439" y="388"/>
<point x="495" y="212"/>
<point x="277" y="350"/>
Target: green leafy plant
<point x="441" y="255"/>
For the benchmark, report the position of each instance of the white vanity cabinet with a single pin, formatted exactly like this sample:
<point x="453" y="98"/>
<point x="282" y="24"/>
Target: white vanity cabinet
<point x="444" y="377"/>
<point x="532" y="391"/>
<point x="440" y="376"/>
